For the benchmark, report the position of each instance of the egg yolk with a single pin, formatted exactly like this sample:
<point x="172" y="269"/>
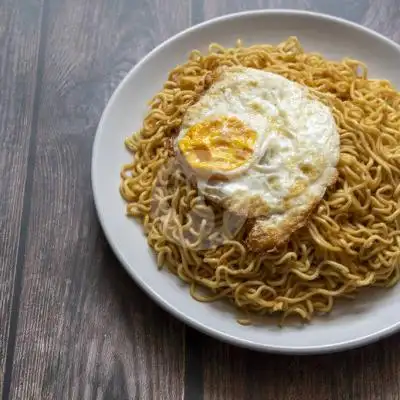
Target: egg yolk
<point x="223" y="144"/>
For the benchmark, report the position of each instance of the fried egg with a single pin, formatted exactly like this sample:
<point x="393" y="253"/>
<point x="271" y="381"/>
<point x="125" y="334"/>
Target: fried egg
<point x="263" y="147"/>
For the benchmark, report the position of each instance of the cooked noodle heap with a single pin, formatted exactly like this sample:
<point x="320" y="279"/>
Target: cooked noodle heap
<point x="352" y="240"/>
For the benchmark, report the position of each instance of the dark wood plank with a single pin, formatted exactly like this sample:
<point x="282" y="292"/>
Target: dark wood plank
<point x="362" y="374"/>
<point x="19" y="43"/>
<point x="381" y="16"/>
<point x="368" y="373"/>
<point x="86" y="331"/>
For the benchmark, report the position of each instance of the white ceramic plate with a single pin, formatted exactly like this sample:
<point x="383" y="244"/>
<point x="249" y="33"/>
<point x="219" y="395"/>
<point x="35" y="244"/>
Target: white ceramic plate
<point x="352" y="323"/>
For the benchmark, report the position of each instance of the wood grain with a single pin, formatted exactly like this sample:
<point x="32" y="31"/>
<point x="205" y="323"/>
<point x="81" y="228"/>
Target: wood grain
<point x="19" y="43"/>
<point x="382" y="16"/>
<point x="369" y="373"/>
<point x="81" y="328"/>
<point x="86" y="331"/>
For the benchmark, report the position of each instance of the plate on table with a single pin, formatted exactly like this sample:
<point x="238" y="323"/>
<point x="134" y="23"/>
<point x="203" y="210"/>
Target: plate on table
<point x="371" y="316"/>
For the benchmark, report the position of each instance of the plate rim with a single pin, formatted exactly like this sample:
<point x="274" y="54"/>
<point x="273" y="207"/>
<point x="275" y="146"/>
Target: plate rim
<point x="145" y="286"/>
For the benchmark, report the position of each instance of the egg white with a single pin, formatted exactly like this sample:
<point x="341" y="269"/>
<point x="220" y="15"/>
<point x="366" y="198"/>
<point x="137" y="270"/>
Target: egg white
<point x="293" y="130"/>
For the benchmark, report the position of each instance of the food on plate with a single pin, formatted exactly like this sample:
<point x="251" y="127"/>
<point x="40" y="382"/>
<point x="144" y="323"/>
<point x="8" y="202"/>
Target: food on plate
<point x="269" y="176"/>
<point x="259" y="144"/>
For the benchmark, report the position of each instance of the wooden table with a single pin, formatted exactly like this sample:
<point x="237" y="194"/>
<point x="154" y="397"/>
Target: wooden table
<point x="73" y="325"/>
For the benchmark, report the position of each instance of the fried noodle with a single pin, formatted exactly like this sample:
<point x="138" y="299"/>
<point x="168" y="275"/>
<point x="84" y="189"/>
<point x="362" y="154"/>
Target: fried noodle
<point x="351" y="241"/>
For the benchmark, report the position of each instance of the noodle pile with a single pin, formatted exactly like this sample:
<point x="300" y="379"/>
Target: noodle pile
<point x="351" y="241"/>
